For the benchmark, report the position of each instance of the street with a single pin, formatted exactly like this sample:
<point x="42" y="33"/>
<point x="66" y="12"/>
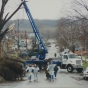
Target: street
<point x="51" y="51"/>
<point x="63" y="80"/>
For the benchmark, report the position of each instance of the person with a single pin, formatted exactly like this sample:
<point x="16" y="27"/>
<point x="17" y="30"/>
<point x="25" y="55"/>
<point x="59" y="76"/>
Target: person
<point x="47" y="72"/>
<point x="55" y="54"/>
<point x="51" y="71"/>
<point x="36" y="70"/>
<point x="40" y="66"/>
<point x="30" y="72"/>
<point x="55" y="70"/>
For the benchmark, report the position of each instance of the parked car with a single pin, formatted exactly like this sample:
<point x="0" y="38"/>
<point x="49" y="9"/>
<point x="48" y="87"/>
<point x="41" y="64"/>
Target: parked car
<point x="32" y="53"/>
<point x="49" y="45"/>
<point x="23" y="54"/>
<point x="14" y="47"/>
<point x="23" y="48"/>
<point x="85" y="73"/>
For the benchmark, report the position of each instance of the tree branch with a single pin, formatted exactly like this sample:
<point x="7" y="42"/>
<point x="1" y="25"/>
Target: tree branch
<point x="3" y="34"/>
<point x="5" y="21"/>
<point x="4" y="2"/>
<point x="13" y="13"/>
<point x="82" y="17"/>
<point x="6" y="16"/>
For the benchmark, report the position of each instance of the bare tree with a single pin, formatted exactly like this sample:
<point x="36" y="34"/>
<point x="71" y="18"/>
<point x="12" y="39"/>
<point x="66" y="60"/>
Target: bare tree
<point x="82" y="14"/>
<point x="81" y="9"/>
<point x="69" y="33"/>
<point x="72" y="32"/>
<point x="4" y="20"/>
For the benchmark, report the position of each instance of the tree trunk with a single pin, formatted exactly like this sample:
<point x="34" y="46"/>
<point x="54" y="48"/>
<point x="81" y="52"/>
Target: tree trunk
<point x="1" y="54"/>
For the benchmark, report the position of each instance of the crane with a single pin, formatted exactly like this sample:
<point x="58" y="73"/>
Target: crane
<point x="42" y="54"/>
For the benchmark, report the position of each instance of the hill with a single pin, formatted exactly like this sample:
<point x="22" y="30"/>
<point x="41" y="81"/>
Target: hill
<point x="41" y="24"/>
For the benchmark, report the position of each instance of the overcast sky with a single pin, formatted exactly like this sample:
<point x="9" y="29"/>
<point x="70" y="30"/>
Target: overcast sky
<point x="40" y="9"/>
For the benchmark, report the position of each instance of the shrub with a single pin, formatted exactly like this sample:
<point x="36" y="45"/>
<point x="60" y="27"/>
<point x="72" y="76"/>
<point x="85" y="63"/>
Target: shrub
<point x="7" y="74"/>
<point x="14" y="66"/>
<point x="2" y="79"/>
<point x="10" y="70"/>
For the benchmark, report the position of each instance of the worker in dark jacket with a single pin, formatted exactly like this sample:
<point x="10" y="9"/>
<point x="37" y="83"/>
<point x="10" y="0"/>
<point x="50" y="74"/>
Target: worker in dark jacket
<point x="55" y="70"/>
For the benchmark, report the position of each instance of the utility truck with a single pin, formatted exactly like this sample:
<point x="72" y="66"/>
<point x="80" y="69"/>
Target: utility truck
<point x="69" y="61"/>
<point x="42" y="50"/>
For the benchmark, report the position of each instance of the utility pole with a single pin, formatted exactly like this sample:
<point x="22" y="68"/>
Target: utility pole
<point x="26" y="39"/>
<point x="18" y="34"/>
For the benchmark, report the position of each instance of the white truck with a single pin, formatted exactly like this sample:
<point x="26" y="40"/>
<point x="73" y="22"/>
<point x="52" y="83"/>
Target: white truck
<point x="70" y="62"/>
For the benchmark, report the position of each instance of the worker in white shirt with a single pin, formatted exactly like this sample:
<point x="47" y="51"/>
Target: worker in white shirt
<point x="36" y="70"/>
<point x="30" y="72"/>
<point x="50" y="68"/>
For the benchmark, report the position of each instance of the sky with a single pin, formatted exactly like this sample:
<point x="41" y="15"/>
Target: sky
<point x="40" y="9"/>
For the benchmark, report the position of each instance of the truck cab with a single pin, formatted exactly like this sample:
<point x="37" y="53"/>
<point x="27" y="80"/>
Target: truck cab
<point x="70" y="61"/>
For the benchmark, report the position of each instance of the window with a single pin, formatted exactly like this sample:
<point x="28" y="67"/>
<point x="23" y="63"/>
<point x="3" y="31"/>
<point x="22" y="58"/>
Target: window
<point x="72" y="56"/>
<point x="65" y="57"/>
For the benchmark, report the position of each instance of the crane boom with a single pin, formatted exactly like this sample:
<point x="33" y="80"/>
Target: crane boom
<point x="41" y="56"/>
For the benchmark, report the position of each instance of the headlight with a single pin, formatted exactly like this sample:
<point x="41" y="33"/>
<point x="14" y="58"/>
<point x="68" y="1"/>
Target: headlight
<point x="87" y="72"/>
<point x="73" y="64"/>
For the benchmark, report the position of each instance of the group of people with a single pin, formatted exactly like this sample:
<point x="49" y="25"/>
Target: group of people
<point x="32" y="71"/>
<point x="51" y="71"/>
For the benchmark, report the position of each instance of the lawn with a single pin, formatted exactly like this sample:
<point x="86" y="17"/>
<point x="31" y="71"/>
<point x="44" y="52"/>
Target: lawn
<point x="85" y="64"/>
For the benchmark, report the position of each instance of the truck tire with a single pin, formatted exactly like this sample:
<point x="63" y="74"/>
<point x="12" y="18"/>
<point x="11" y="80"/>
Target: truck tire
<point x="86" y="78"/>
<point x="70" y="68"/>
<point x="79" y="70"/>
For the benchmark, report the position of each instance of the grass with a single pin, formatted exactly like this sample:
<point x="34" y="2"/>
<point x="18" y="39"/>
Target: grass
<point x="86" y="56"/>
<point x="85" y="64"/>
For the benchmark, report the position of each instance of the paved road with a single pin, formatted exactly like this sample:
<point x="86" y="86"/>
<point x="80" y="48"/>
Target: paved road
<point x="52" y="50"/>
<point x="64" y="79"/>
